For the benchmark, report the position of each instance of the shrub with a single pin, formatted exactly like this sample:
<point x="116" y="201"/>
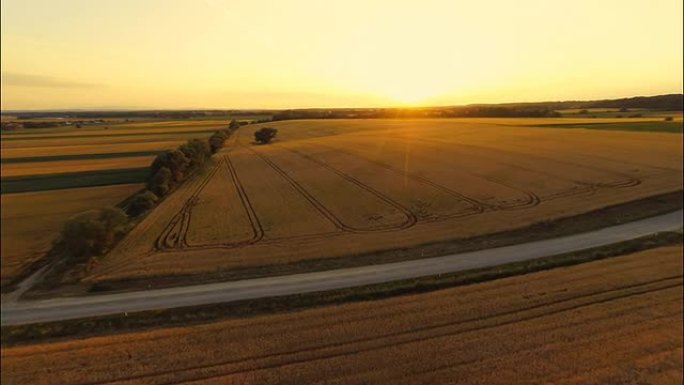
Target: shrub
<point x="161" y="182"/>
<point x="197" y="151"/>
<point x="92" y="232"/>
<point x="216" y="140"/>
<point x="668" y="119"/>
<point x="141" y="203"/>
<point x="265" y="135"/>
<point x="233" y="125"/>
<point x="174" y="160"/>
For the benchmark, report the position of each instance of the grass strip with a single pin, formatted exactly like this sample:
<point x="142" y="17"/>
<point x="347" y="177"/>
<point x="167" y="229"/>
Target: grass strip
<point x="169" y="133"/>
<point x="659" y="126"/>
<point x="26" y="334"/>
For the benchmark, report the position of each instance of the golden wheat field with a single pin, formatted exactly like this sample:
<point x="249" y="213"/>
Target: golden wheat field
<point x="56" y="167"/>
<point x="346" y="187"/>
<point x="31" y="221"/>
<point x="607" y="322"/>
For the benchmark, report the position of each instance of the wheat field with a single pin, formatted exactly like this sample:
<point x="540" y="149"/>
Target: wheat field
<point x="336" y="188"/>
<point x="612" y="321"/>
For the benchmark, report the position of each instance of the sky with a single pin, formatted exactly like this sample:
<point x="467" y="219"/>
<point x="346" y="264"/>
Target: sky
<point x="351" y="53"/>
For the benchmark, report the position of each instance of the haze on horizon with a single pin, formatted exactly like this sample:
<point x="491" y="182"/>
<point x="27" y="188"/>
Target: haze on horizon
<point x="355" y="53"/>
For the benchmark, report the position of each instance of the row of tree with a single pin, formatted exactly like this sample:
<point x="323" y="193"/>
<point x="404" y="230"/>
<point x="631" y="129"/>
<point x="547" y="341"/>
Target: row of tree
<point x="93" y="232"/>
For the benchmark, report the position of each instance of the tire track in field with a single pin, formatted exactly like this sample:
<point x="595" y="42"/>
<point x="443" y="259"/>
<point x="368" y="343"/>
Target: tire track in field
<point x="582" y="190"/>
<point x="174" y="240"/>
<point x="169" y="239"/>
<point x="628" y="181"/>
<point x="479" y="206"/>
<point x="461" y="363"/>
<point x="407" y="336"/>
<point x="411" y="218"/>
<point x="255" y="224"/>
<point x="627" y="269"/>
<point x="320" y="207"/>
<point x="408" y="339"/>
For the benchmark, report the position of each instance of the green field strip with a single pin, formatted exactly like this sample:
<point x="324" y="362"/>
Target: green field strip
<point x="26" y="183"/>
<point x="171" y="133"/>
<point x="675" y="127"/>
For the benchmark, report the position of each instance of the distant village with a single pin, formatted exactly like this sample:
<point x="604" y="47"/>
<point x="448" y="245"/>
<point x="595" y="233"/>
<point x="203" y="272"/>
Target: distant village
<point x="16" y="125"/>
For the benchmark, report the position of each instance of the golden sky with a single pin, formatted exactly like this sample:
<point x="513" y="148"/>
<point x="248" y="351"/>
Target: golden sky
<point x="325" y="53"/>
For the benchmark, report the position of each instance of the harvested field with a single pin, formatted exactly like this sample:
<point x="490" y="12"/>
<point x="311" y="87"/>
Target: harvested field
<point x="31" y="221"/>
<point x="57" y="149"/>
<point x="62" y="166"/>
<point x="611" y="321"/>
<point x="335" y="188"/>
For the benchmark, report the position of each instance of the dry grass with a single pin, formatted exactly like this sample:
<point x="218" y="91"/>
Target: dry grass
<point x="611" y="321"/>
<point x="60" y="149"/>
<point x="31" y="221"/>
<point x="344" y="187"/>
<point x="128" y="128"/>
<point x="56" y="167"/>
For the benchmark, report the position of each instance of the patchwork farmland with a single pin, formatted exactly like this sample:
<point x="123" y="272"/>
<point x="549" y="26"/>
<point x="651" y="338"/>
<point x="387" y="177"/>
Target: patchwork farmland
<point x="51" y="174"/>
<point x="339" y="188"/>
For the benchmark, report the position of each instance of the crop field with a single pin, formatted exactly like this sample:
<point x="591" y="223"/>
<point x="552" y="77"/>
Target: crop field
<point x="54" y="167"/>
<point x="336" y="188"/>
<point x="31" y="221"/>
<point x="123" y="146"/>
<point x="612" y="321"/>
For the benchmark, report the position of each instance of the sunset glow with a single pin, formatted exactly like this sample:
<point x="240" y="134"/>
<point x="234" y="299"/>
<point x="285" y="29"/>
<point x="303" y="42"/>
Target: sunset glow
<point x="273" y="54"/>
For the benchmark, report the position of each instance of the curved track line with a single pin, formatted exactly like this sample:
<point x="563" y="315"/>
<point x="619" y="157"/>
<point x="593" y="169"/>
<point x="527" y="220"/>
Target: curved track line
<point x="320" y="207"/>
<point x="531" y="201"/>
<point x="477" y="206"/>
<point x="255" y="224"/>
<point x="628" y="182"/>
<point x="169" y="240"/>
<point x="410" y="216"/>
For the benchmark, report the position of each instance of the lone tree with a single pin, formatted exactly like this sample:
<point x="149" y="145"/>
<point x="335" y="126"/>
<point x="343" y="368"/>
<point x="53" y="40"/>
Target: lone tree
<point x="265" y="135"/>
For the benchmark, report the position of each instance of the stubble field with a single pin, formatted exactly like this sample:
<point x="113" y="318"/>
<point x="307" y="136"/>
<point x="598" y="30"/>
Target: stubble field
<point x="336" y="188"/>
<point x="612" y="321"/>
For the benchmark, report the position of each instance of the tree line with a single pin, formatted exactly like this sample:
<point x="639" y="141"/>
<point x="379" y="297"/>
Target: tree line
<point x="93" y="232"/>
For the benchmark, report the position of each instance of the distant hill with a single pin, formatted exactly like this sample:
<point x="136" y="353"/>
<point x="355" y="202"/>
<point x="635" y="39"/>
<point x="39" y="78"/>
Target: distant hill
<point x="671" y="102"/>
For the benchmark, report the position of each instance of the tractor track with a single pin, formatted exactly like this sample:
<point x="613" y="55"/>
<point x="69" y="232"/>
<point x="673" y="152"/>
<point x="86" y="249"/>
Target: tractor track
<point x="479" y="207"/>
<point x="178" y="240"/>
<point x="404" y="337"/>
<point x="628" y="181"/>
<point x="321" y="208"/>
<point x="411" y="217"/>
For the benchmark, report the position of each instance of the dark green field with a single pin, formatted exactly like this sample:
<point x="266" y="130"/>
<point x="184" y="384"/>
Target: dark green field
<point x="17" y="184"/>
